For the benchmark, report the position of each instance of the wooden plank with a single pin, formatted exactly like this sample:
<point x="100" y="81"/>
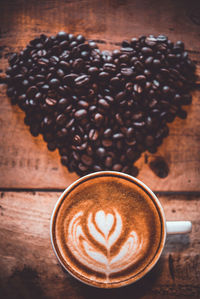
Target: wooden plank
<point x="24" y="160"/>
<point x="29" y="268"/>
<point x="113" y="21"/>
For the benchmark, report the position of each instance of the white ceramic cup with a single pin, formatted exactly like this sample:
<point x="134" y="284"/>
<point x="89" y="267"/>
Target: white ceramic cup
<point x="170" y="227"/>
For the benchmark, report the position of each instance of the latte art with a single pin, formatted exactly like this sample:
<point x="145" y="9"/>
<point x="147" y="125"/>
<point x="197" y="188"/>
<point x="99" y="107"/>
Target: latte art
<point x="105" y="230"/>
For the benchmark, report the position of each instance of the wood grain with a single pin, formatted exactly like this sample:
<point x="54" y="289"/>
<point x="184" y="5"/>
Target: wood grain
<point x="110" y="22"/>
<point x="25" y="161"/>
<point x="29" y="266"/>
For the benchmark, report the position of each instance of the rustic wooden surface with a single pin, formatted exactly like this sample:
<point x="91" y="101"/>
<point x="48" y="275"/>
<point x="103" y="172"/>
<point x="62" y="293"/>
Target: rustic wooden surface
<point x="31" y="177"/>
<point x="28" y="263"/>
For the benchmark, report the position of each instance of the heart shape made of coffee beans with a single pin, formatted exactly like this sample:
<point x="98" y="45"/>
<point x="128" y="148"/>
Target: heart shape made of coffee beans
<point x="101" y="109"/>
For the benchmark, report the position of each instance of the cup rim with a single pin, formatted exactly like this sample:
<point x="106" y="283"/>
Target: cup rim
<point x="162" y="243"/>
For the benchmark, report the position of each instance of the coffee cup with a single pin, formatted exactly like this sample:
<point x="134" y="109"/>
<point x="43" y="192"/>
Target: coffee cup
<point x="108" y="229"/>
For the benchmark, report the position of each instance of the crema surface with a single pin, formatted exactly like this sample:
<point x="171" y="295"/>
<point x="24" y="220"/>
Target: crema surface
<point x="107" y="230"/>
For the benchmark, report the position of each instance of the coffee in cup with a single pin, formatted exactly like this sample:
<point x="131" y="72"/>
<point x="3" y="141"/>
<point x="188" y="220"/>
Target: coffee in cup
<point x="108" y="229"/>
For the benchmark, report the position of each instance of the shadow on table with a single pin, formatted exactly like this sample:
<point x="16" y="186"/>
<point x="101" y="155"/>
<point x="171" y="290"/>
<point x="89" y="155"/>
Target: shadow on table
<point x="177" y="243"/>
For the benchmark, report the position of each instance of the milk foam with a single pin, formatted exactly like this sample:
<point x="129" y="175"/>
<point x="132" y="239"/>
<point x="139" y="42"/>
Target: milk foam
<point x="107" y="231"/>
<point x="104" y="229"/>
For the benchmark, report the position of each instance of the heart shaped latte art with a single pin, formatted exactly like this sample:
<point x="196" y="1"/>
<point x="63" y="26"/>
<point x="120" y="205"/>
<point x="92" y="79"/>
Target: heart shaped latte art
<point x="101" y="110"/>
<point x="104" y="222"/>
<point x="104" y="229"/>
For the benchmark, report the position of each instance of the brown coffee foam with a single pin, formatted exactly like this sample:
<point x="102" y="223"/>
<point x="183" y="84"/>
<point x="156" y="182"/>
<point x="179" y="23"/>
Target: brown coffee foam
<point x="138" y="211"/>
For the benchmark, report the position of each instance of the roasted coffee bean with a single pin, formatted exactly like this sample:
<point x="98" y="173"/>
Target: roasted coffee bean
<point x="45" y="88"/>
<point x="149" y="141"/>
<point x="35" y="129"/>
<point x="85" y="54"/>
<point x="80" y="114"/>
<point x="18" y="78"/>
<point x="76" y="156"/>
<point x="107" y="133"/>
<point x="148" y="61"/>
<point x="117" y="167"/>
<point x="87" y="160"/>
<point x="98" y="118"/>
<point x="123" y="58"/>
<point x="47" y="121"/>
<point x="115" y="81"/>
<point x="166" y="89"/>
<point x="159" y="167"/>
<point x="129" y="86"/>
<point x="134" y="171"/>
<point x="12" y="58"/>
<point x="107" y="142"/>
<point x="93" y="70"/>
<point x="64" y="65"/>
<point x="54" y="82"/>
<point x="119" y="119"/>
<point x="127" y="72"/>
<point x="101" y="152"/>
<point x="93" y="134"/>
<point x="97" y="168"/>
<point x="137" y="88"/>
<point x="92" y="108"/>
<point x="83" y="104"/>
<point x="140" y="124"/>
<point x="70" y="123"/>
<point x="25" y="83"/>
<point x="31" y="92"/>
<point x="101" y="109"/>
<point x="103" y="76"/>
<point x="62" y="36"/>
<point x="50" y="102"/>
<point x="82" y="167"/>
<point x="139" y="66"/>
<point x="156" y="63"/>
<point x="60" y="73"/>
<point x="147" y="51"/>
<point x="140" y="78"/>
<point x="80" y="39"/>
<point x="82" y="80"/>
<point x="61" y="119"/>
<point x="103" y="104"/>
<point x="137" y="116"/>
<point x="51" y="146"/>
<point x="131" y="153"/>
<point x="120" y="96"/>
<point x="118" y="136"/>
<point x="125" y="43"/>
<point x="109" y="99"/>
<point x="63" y="103"/>
<point x="62" y="133"/>
<point x="156" y="84"/>
<point x="109" y="67"/>
<point x="78" y="65"/>
<point x="77" y="140"/>
<point x="72" y="165"/>
<point x="129" y="132"/>
<point x="108" y="162"/>
<point x="69" y="79"/>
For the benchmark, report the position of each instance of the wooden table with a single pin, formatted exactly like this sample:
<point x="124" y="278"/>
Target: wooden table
<point x="32" y="178"/>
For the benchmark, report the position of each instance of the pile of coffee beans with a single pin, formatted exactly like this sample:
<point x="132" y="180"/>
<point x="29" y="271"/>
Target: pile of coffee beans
<point x="101" y="110"/>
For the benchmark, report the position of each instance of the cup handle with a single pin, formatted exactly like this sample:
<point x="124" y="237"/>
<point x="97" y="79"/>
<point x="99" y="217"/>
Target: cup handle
<point x="178" y="227"/>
